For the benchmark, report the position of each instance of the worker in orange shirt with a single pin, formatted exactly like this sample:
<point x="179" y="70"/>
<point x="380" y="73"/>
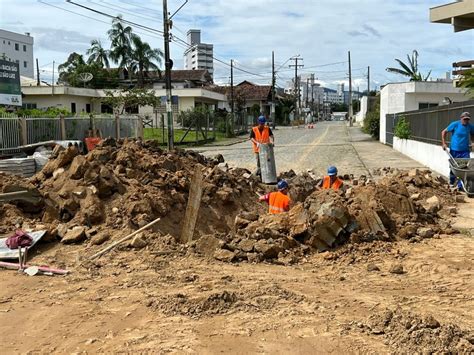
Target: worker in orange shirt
<point x="260" y="134"/>
<point x="331" y="181"/>
<point x="278" y="201"/>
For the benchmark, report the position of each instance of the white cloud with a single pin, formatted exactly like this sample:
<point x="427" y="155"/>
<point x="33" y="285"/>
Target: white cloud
<point x="247" y="31"/>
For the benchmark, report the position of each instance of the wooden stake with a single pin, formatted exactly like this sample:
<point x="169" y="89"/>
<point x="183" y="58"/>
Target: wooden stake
<point x="192" y="209"/>
<point x="113" y="245"/>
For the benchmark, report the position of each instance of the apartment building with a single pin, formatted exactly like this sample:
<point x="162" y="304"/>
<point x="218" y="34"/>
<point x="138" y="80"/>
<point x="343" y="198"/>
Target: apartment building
<point x="198" y="55"/>
<point x="18" y="48"/>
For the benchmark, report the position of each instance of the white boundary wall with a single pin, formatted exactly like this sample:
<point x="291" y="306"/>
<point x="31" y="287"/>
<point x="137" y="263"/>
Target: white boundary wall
<point x="430" y="155"/>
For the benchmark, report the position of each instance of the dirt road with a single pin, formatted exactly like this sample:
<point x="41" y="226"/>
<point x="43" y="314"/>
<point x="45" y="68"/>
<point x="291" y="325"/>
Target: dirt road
<point x="329" y="143"/>
<point x="187" y="304"/>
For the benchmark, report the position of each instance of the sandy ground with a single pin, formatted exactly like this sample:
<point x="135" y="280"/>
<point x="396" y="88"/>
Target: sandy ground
<point x="135" y="301"/>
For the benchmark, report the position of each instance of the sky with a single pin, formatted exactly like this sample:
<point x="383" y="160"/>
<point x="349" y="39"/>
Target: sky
<point x="321" y="32"/>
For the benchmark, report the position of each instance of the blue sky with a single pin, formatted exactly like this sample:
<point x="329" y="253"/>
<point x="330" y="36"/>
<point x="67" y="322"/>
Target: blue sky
<point x="320" y="31"/>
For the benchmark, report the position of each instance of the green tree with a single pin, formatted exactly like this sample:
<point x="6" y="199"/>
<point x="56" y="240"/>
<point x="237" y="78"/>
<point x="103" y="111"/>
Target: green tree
<point x="372" y="121"/>
<point x="410" y="70"/>
<point x="142" y="59"/>
<point x="122" y="101"/>
<point x="284" y="106"/>
<point x="121" y="44"/>
<point x="467" y="82"/>
<point x="98" y="54"/>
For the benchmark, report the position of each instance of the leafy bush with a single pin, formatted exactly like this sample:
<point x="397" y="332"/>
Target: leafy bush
<point x="50" y="112"/>
<point x="193" y="117"/>
<point x="402" y="129"/>
<point x="372" y="122"/>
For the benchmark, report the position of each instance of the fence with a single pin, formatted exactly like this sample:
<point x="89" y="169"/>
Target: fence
<point x="15" y="131"/>
<point x="426" y="124"/>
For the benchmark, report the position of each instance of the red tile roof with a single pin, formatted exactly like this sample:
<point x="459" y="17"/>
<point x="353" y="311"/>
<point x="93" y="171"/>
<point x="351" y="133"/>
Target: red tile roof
<point x="248" y="90"/>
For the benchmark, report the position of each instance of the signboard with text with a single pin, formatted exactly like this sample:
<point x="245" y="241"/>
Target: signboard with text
<point x="10" y="89"/>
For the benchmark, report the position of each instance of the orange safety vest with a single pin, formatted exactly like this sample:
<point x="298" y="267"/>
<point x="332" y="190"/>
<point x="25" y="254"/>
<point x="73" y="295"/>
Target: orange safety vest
<point x="278" y="203"/>
<point x="336" y="185"/>
<point x="261" y="137"/>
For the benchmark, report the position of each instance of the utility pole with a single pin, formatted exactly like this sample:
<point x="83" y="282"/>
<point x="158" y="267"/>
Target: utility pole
<point x="307" y="91"/>
<point x="312" y="95"/>
<point x="350" y="89"/>
<point x="231" y="91"/>
<point x="38" y="82"/>
<point x="169" y="108"/>
<point x="297" y="86"/>
<point x="368" y="81"/>
<point x="272" y="109"/>
<point x="52" y="81"/>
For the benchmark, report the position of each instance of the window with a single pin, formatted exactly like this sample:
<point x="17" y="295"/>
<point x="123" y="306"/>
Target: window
<point x="106" y="108"/>
<point x="8" y="42"/>
<point x="25" y="64"/>
<point x="29" y="106"/>
<point x="17" y="46"/>
<point x="24" y="48"/>
<point x="73" y="107"/>
<point x="88" y="108"/>
<point x="423" y="105"/>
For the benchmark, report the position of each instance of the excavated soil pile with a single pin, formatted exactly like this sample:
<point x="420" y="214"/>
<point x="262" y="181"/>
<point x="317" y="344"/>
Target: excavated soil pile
<point x="123" y="185"/>
<point x="406" y="205"/>
<point x="415" y="334"/>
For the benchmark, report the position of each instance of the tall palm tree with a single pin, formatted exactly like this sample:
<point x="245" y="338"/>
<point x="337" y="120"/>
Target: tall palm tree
<point x="98" y="54"/>
<point x="411" y="69"/>
<point x="120" y="37"/>
<point x="143" y="58"/>
<point x="467" y="82"/>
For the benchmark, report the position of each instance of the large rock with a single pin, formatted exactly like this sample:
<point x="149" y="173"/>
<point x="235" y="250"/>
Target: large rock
<point x="267" y="250"/>
<point x="75" y="235"/>
<point x="64" y="158"/>
<point x="92" y="209"/>
<point x="207" y="244"/>
<point x="432" y="204"/>
<point x="224" y="255"/>
<point x="78" y="167"/>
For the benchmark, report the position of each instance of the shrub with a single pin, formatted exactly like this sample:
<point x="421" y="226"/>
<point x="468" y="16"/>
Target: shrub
<point x="402" y="129"/>
<point x="372" y="121"/>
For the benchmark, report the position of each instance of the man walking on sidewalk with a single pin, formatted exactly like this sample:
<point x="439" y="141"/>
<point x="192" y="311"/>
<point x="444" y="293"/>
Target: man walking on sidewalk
<point x="260" y="134"/>
<point x="459" y="147"/>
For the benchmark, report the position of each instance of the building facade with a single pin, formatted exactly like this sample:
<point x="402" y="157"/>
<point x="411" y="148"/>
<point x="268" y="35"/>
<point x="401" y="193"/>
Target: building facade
<point x="18" y="48"/>
<point x="198" y="55"/>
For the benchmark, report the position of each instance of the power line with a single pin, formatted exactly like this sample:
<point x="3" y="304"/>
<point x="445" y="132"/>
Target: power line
<point x="123" y="9"/>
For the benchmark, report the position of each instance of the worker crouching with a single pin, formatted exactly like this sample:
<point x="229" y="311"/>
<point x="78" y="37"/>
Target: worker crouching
<point x="331" y="181"/>
<point x="278" y="201"/>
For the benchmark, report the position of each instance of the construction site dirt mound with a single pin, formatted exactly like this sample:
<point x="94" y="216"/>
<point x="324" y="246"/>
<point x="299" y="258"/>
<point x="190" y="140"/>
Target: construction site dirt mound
<point x="124" y="185"/>
<point x="417" y="334"/>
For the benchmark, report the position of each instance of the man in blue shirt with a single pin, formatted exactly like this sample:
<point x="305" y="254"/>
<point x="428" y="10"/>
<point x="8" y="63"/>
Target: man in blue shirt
<point x="460" y="146"/>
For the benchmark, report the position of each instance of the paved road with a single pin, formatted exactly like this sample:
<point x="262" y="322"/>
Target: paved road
<point x="329" y="143"/>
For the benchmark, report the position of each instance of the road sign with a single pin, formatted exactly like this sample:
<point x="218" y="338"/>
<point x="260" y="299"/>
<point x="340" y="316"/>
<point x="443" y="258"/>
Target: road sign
<point x="10" y="89"/>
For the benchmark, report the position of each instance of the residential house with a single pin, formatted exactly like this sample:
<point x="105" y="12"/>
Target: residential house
<point x="415" y="95"/>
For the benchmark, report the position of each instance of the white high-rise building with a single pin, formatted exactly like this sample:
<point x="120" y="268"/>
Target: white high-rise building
<point x="198" y="55"/>
<point x="16" y="47"/>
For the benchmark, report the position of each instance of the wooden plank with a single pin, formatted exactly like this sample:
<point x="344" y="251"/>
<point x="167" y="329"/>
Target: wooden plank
<point x="192" y="209"/>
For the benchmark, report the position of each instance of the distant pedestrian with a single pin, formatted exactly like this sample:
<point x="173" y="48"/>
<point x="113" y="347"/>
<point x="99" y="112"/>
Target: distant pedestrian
<point x="260" y="134"/>
<point x="460" y="145"/>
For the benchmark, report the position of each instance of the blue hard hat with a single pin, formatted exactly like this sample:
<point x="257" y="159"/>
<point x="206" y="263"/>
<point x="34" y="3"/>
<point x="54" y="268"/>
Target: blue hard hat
<point x="262" y="120"/>
<point x="282" y="184"/>
<point x="332" y="170"/>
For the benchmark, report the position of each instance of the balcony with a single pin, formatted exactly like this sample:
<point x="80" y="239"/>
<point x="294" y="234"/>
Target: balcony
<point x="460" y="14"/>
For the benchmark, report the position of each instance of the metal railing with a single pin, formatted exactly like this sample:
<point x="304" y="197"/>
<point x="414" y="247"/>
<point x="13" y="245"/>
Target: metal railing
<point x="18" y="131"/>
<point x="426" y="124"/>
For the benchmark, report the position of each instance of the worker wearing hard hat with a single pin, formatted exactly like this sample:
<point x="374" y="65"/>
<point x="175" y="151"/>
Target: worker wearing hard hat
<point x="278" y="201"/>
<point x="260" y="134"/>
<point x="331" y="181"/>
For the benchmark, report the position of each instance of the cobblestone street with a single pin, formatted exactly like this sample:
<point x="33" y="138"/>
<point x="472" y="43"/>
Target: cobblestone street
<point x="329" y="143"/>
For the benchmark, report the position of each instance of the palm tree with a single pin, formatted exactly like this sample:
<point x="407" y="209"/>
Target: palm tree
<point x="411" y="69"/>
<point x="68" y="70"/>
<point x="98" y="54"/>
<point x="467" y="82"/>
<point x="143" y="58"/>
<point x="120" y="48"/>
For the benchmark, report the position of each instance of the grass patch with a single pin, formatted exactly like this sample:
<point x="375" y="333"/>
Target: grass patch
<point x="157" y="134"/>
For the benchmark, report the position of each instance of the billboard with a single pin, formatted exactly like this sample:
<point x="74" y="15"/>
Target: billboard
<point x="10" y="89"/>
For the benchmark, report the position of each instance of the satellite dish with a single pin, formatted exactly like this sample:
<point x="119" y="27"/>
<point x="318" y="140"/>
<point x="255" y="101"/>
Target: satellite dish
<point x="85" y="78"/>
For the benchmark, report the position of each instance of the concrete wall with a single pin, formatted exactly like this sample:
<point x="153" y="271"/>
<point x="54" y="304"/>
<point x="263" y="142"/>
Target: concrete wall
<point x="360" y="116"/>
<point x="403" y="97"/>
<point x="430" y="155"/>
<point x="62" y="101"/>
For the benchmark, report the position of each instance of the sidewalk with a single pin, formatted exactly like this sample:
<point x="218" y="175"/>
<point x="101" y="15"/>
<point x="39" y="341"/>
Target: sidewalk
<point x="374" y="154"/>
